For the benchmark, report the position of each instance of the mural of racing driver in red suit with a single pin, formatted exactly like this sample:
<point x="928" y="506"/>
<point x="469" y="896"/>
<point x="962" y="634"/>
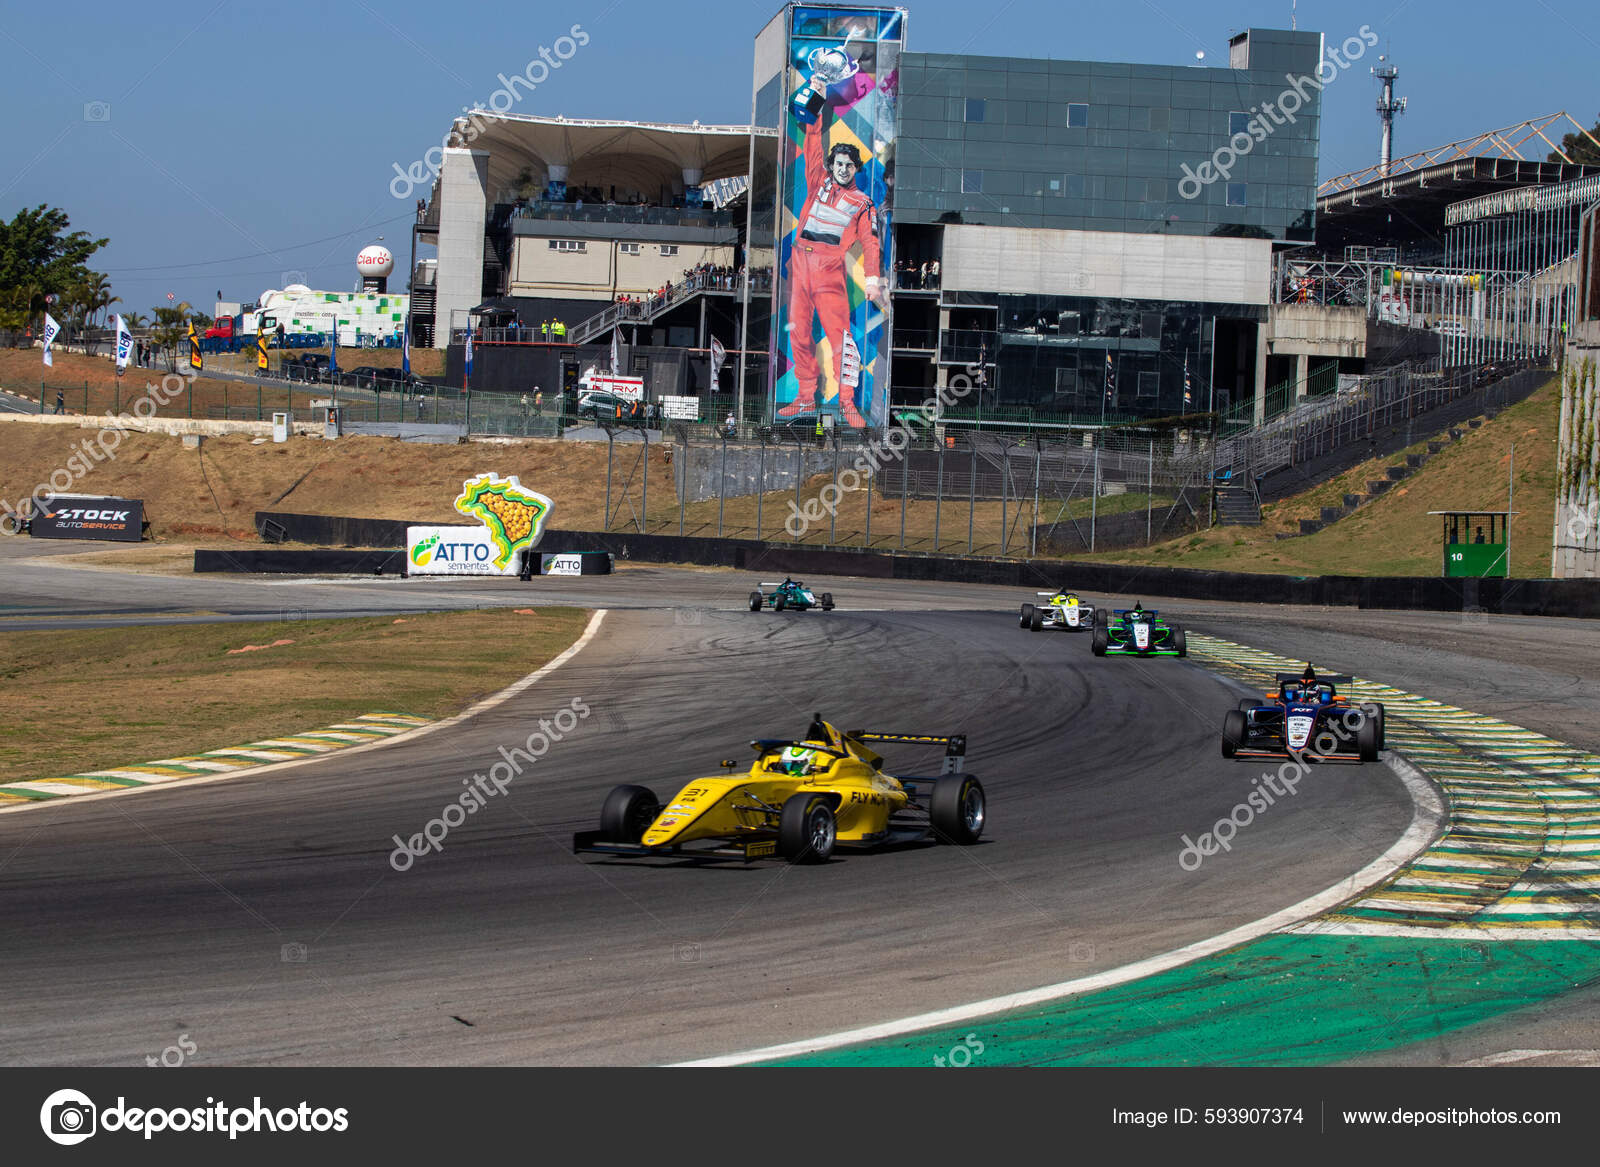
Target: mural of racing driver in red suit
<point x="837" y="217"/>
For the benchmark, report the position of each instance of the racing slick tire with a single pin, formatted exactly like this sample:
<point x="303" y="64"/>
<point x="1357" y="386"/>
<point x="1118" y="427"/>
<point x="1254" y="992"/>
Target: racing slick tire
<point x="1246" y="704"/>
<point x="1036" y="620"/>
<point x="827" y="601"/>
<point x="755" y="601"/>
<point x="1101" y="619"/>
<point x="1379" y="707"/>
<point x="1179" y="640"/>
<point x="1233" y="732"/>
<point x="777" y="603"/>
<point x="1367" y="740"/>
<point x="1099" y="639"/>
<point x="958" y="809"/>
<point x="807" y="829"/>
<point x="1027" y="616"/>
<point x="628" y="813"/>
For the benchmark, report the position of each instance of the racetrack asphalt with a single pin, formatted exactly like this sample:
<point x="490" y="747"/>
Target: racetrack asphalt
<point x="170" y="910"/>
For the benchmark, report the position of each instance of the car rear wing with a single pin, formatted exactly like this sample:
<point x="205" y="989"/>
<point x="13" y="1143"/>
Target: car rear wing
<point x="955" y="745"/>
<point x="1321" y="679"/>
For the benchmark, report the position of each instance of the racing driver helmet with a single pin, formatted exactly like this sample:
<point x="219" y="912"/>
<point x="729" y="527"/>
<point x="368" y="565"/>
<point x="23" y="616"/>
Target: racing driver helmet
<point x="797" y="760"/>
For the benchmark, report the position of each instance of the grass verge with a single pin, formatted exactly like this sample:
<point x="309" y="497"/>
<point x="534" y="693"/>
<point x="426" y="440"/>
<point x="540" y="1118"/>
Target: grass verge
<point x="99" y="698"/>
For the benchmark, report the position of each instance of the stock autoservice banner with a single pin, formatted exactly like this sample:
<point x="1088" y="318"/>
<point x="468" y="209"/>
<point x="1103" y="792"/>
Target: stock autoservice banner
<point x="89" y="517"/>
<point x="511" y="519"/>
<point x="831" y="301"/>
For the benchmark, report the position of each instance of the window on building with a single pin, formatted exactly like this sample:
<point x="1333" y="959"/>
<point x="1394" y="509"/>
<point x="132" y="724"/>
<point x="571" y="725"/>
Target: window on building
<point x="975" y="109"/>
<point x="1077" y="114"/>
<point x="972" y="182"/>
<point x="568" y="245"/>
<point x="630" y="248"/>
<point x="1238" y="123"/>
<point x="1160" y="118"/>
<point x="1236" y="195"/>
<point x="1074" y="186"/>
<point x="1067" y="378"/>
<point x="641" y="364"/>
<point x="1149" y="384"/>
<point x="669" y="249"/>
<point x="1053" y="187"/>
<point x="1150" y="325"/>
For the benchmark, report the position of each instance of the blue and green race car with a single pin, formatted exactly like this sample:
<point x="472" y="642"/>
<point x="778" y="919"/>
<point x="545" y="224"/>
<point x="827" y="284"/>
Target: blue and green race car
<point x="791" y="594"/>
<point x="1136" y="631"/>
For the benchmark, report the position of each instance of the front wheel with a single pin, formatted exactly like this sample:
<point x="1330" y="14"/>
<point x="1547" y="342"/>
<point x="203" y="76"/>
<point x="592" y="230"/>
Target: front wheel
<point x="1367" y="740"/>
<point x="807" y="829"/>
<point x="958" y="809"/>
<point x="1180" y="641"/>
<point x="1027" y="616"/>
<point x="628" y="813"/>
<point x="1099" y="639"/>
<point x="1036" y="620"/>
<point x="778" y="604"/>
<point x="755" y="601"/>
<point x="827" y="601"/>
<point x="1233" y="732"/>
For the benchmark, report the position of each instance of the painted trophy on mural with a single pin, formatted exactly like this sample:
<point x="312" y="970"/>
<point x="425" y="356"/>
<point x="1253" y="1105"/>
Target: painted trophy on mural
<point x="833" y="302"/>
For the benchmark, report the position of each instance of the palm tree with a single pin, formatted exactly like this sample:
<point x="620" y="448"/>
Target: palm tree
<point x="169" y="330"/>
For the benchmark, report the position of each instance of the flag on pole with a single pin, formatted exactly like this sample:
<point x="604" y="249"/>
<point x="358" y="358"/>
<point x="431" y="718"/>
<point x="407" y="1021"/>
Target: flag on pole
<point x="124" y="342"/>
<point x="1188" y="387"/>
<point x="51" y="328"/>
<point x="469" y="359"/>
<point x="261" y="347"/>
<point x="405" y="348"/>
<point x="616" y="352"/>
<point x="333" y="347"/>
<point x="718" y="355"/>
<point x="1111" y="379"/>
<point x="194" y="348"/>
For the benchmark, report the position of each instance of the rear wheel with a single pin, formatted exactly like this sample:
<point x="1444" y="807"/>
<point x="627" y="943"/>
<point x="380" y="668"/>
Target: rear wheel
<point x="777" y="603"/>
<point x="1036" y="621"/>
<point x="1382" y="744"/>
<point x="1179" y="640"/>
<point x="958" y="809"/>
<point x="1367" y="740"/>
<point x="628" y="813"/>
<point x="1027" y="616"/>
<point x="755" y="601"/>
<point x="1233" y="730"/>
<point x="1099" y="639"/>
<point x="807" y="830"/>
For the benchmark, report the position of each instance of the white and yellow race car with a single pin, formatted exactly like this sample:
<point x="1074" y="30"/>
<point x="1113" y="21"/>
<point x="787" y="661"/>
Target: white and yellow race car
<point x="798" y="801"/>
<point x="1063" y="610"/>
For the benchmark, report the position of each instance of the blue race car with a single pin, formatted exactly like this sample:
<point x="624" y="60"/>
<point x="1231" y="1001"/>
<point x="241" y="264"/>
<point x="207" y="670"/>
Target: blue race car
<point x="1306" y="716"/>
<point x="790" y="594"/>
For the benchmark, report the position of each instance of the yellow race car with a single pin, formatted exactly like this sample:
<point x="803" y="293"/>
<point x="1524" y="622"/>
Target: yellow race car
<point x="799" y="801"/>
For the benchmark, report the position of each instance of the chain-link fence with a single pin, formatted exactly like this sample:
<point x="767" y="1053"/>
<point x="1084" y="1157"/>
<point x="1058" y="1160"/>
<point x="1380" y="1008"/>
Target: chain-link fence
<point x="951" y="492"/>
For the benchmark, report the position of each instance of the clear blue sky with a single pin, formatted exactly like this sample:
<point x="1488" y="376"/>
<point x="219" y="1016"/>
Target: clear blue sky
<point x="264" y="136"/>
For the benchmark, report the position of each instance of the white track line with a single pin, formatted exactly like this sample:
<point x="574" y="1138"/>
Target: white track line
<point x="1428" y="816"/>
<point x="483" y="706"/>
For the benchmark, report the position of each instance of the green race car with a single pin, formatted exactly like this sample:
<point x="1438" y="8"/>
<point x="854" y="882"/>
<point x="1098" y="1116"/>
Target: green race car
<point x="1136" y="631"/>
<point x="791" y="594"/>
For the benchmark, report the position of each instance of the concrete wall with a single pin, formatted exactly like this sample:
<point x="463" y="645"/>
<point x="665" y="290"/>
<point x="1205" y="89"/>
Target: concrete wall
<point x="175" y="426"/>
<point x="1107" y="263"/>
<point x="1576" y="553"/>
<point x="463" y="203"/>
<point x="1316" y="330"/>
<point x="591" y="274"/>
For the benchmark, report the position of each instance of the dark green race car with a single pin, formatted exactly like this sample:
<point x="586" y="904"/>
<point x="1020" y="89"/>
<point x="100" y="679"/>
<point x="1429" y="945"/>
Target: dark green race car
<point x="791" y="594"/>
<point x="1136" y="631"/>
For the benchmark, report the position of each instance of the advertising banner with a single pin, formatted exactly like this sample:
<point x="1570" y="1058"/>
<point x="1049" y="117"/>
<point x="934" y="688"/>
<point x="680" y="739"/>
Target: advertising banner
<point x="511" y="519"/>
<point x="452" y="551"/>
<point x="831" y="335"/>
<point x="575" y="563"/>
<point x="89" y="516"/>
